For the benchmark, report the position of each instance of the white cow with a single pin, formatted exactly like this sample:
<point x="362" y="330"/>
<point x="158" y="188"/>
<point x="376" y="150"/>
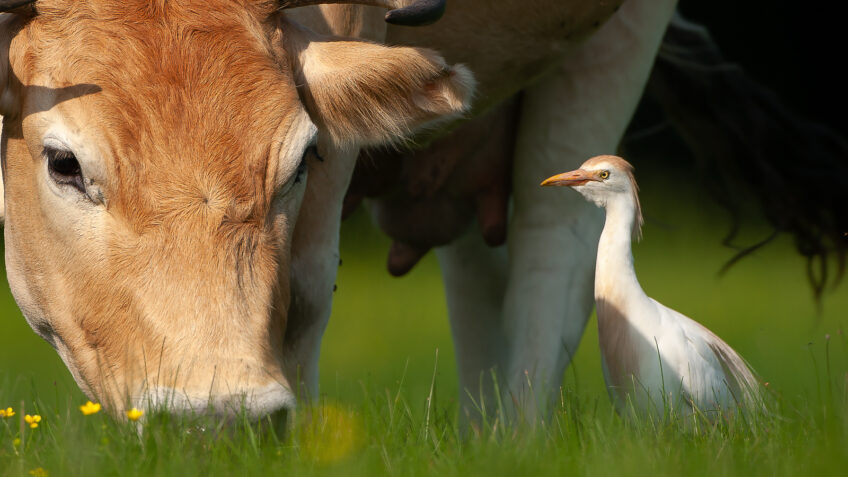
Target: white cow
<point x="519" y="308"/>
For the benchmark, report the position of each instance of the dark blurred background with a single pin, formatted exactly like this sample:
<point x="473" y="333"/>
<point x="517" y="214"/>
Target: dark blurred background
<point x="795" y="48"/>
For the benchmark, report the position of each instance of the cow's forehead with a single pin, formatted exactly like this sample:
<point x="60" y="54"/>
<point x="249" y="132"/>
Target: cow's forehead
<point x="190" y="93"/>
<point x="165" y="63"/>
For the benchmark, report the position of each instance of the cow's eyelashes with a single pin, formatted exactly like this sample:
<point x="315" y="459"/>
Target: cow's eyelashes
<point x="301" y="170"/>
<point x="64" y="168"/>
<point x="303" y="167"/>
<point x="313" y="150"/>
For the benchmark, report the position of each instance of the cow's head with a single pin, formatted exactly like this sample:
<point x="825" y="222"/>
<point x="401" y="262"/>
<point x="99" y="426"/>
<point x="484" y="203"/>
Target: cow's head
<point x="153" y="159"/>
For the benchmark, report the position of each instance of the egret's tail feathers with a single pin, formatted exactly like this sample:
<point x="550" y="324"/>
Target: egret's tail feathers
<point x="740" y="380"/>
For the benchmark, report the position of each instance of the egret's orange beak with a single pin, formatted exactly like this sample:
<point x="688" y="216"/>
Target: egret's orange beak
<point x="568" y="179"/>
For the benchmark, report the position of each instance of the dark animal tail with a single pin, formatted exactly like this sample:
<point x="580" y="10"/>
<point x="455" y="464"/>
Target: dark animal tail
<point x="794" y="169"/>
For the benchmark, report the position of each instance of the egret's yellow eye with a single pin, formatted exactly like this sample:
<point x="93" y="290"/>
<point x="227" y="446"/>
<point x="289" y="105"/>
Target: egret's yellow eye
<point x="603" y="174"/>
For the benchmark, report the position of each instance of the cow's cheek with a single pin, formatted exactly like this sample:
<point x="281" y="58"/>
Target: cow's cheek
<point x="19" y="283"/>
<point x="42" y="241"/>
<point x="26" y="244"/>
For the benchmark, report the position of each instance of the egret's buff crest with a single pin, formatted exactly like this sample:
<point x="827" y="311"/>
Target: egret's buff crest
<point x="598" y="162"/>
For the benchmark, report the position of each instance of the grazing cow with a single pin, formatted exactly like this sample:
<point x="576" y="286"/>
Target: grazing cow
<point x="175" y="172"/>
<point x="155" y="159"/>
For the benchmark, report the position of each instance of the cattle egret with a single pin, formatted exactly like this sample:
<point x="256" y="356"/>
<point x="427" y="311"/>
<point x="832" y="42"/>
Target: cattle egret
<point x="699" y="372"/>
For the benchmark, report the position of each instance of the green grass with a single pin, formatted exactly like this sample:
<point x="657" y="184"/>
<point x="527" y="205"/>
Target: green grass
<point x="378" y="363"/>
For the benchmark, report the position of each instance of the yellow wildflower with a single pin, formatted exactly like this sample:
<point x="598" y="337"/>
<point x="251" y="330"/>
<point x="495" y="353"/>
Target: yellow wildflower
<point x="134" y="414"/>
<point x="90" y="408"/>
<point x="16" y="442"/>
<point x="332" y="434"/>
<point x="32" y="420"/>
<point x="8" y="412"/>
<point x="38" y="472"/>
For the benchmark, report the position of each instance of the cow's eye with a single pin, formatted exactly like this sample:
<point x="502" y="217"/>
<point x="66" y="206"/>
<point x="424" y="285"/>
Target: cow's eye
<point x="311" y="152"/>
<point x="64" y="168"/>
<point x="302" y="168"/>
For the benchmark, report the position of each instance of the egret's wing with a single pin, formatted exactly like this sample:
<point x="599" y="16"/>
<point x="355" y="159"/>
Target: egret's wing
<point x="712" y="371"/>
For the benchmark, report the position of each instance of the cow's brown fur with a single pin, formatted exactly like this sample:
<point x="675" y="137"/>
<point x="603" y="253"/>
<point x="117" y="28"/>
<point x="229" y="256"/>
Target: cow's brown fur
<point x="171" y="276"/>
<point x="189" y="236"/>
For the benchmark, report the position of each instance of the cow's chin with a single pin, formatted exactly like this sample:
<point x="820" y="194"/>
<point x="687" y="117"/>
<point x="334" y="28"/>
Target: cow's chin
<point x="253" y="403"/>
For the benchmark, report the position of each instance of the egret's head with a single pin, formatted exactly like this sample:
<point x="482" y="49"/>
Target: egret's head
<point x="603" y="180"/>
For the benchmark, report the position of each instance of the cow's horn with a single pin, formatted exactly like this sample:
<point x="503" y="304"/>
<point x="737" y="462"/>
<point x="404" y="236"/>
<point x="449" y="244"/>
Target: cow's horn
<point x="420" y="12"/>
<point x="8" y="5"/>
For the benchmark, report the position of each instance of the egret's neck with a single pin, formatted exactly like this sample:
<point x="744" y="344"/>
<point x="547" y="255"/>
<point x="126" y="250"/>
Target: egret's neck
<point x="615" y="278"/>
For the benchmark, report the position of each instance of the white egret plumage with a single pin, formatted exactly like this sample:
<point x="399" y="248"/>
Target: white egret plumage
<point x="653" y="357"/>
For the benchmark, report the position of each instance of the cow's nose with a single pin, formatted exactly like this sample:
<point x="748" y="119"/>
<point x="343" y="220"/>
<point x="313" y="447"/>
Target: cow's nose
<point x="255" y="402"/>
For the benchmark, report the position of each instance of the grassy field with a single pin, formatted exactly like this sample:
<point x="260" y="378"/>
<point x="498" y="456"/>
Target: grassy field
<point x="379" y="366"/>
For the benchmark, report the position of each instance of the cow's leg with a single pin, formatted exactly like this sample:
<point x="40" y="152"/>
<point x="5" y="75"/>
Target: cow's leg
<point x="579" y="111"/>
<point x="315" y="245"/>
<point x="474" y="276"/>
<point x="314" y="264"/>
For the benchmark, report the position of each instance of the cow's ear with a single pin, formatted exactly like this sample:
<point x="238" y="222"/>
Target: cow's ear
<point x="365" y="93"/>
